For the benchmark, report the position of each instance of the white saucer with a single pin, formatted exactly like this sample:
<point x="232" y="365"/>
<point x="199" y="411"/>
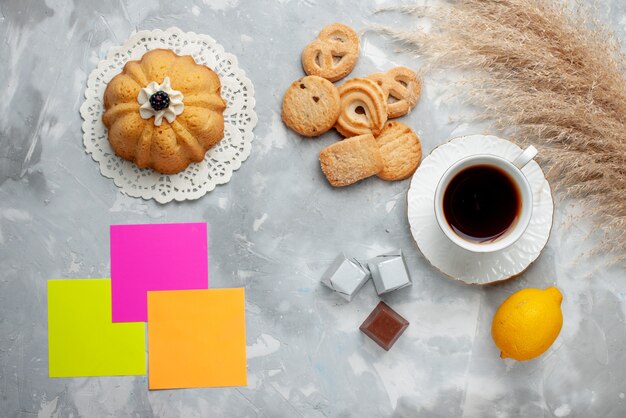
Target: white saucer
<point x="456" y="262"/>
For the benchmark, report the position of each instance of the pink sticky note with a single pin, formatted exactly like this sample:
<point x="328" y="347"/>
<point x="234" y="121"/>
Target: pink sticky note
<point x="155" y="257"/>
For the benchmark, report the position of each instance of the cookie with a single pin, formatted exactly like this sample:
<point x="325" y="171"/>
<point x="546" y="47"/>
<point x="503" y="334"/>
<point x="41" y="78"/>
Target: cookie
<point x="333" y="54"/>
<point x="363" y="108"/>
<point x="400" y="149"/>
<point x="353" y="159"/>
<point x="402" y="89"/>
<point x="311" y="106"/>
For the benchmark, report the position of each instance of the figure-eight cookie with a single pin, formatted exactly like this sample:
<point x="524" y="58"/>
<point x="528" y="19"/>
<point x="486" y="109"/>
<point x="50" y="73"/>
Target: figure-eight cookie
<point x="401" y="84"/>
<point x="333" y="54"/>
<point x="311" y="106"/>
<point x="363" y="108"/>
<point x="400" y="149"/>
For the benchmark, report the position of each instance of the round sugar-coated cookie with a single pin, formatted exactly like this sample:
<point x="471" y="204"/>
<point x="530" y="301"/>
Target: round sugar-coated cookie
<point x="400" y="149"/>
<point x="311" y="106"/>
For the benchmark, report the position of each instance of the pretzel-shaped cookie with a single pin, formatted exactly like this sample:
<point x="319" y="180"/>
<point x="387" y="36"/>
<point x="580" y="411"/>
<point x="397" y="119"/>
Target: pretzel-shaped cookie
<point x="403" y="85"/>
<point x="333" y="54"/>
<point x="363" y="108"/>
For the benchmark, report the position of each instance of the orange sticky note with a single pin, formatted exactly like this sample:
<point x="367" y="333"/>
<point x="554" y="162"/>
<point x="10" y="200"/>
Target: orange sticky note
<point x="196" y="338"/>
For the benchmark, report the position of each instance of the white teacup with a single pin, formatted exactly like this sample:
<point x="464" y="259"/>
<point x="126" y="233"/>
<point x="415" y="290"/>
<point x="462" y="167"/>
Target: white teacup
<point x="513" y="170"/>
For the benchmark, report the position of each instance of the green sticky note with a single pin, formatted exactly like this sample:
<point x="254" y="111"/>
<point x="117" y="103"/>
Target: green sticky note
<point x="82" y="339"/>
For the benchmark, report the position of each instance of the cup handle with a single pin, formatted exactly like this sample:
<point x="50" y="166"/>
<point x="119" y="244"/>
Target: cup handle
<point x="525" y="157"/>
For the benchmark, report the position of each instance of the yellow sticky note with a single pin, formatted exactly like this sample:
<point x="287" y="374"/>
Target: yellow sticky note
<point x="196" y="338"/>
<point x="82" y="339"/>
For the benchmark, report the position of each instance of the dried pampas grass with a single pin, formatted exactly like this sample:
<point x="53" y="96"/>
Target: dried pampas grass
<point x="548" y="74"/>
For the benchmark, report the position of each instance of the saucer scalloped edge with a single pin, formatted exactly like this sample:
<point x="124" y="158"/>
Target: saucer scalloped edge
<point x="456" y="262"/>
<point x="220" y="161"/>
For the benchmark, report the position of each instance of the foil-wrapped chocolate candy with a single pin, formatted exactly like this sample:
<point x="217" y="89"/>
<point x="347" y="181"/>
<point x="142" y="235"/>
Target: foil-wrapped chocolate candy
<point x="345" y="276"/>
<point x="389" y="272"/>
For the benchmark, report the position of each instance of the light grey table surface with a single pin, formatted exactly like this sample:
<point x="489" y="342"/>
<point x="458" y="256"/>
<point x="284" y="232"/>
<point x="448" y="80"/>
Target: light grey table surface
<point x="273" y="230"/>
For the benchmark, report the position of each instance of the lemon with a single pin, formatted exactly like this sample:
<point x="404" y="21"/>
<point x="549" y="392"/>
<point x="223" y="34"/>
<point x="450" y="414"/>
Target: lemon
<point x="527" y="323"/>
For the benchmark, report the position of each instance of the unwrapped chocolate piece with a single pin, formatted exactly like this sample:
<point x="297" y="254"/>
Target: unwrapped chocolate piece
<point x="389" y="272"/>
<point x="384" y="326"/>
<point x="345" y="276"/>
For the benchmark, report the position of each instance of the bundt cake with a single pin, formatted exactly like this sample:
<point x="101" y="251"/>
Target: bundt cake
<point x="164" y="111"/>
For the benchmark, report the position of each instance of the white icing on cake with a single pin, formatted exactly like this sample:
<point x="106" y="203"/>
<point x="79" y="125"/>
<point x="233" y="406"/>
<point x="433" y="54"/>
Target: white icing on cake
<point x="175" y="108"/>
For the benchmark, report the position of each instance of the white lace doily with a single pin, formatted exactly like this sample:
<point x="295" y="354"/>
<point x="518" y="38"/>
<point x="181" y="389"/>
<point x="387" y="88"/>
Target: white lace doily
<point x="219" y="162"/>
